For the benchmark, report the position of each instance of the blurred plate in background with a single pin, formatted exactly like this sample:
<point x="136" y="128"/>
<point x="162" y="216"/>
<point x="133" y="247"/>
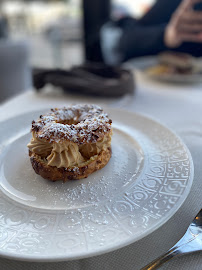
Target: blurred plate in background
<point x="149" y="67"/>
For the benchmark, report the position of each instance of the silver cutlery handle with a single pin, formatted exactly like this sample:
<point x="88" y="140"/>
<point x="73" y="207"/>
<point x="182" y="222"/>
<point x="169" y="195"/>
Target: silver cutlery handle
<point x="162" y="259"/>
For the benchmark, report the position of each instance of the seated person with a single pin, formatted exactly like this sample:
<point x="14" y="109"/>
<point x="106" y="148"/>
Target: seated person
<point x="168" y="25"/>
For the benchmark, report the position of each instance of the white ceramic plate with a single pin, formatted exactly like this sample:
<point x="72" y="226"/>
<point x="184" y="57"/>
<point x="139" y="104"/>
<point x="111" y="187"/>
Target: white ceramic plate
<point x="143" y="63"/>
<point x="143" y="185"/>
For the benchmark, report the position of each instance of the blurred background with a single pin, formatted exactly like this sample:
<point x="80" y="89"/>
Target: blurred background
<point x="54" y="34"/>
<point x="55" y="30"/>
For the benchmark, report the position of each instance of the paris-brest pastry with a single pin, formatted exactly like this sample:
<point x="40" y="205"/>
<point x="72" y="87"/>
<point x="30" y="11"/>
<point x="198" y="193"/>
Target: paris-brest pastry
<point x="70" y="143"/>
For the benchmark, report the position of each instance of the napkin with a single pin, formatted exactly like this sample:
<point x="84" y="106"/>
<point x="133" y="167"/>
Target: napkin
<point x="90" y="79"/>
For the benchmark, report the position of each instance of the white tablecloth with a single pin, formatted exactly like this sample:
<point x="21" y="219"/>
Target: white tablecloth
<point x="178" y="107"/>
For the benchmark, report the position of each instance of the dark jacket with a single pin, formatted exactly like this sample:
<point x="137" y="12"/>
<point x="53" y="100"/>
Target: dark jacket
<point x="146" y="35"/>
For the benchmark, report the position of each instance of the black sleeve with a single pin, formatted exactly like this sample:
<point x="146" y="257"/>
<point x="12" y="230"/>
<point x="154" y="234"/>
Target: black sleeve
<point x="160" y="12"/>
<point x="142" y="40"/>
<point x="146" y="35"/>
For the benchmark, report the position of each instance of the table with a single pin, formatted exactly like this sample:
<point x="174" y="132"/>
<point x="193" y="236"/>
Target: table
<point x="177" y="106"/>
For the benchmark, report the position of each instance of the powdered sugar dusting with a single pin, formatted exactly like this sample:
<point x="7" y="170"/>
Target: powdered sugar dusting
<point x="83" y="124"/>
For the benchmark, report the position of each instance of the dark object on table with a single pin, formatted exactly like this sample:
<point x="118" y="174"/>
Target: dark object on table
<point x="90" y="79"/>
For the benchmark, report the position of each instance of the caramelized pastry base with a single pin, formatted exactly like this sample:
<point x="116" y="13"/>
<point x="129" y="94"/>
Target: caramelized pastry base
<point x="53" y="173"/>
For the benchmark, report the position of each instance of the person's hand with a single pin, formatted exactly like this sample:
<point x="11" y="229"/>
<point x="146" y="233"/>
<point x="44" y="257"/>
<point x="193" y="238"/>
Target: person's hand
<point x="185" y="25"/>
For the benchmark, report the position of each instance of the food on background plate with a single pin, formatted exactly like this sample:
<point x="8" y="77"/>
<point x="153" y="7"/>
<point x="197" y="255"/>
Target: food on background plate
<point x="175" y="63"/>
<point x="70" y="143"/>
